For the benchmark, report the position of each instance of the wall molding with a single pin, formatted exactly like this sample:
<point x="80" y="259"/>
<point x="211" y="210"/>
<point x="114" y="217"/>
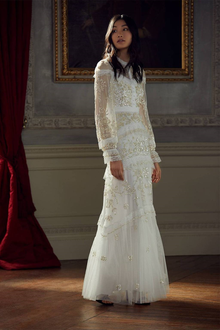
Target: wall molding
<point x="183" y="229"/>
<point x="86" y="150"/>
<point x="65" y="177"/>
<point x="92" y="151"/>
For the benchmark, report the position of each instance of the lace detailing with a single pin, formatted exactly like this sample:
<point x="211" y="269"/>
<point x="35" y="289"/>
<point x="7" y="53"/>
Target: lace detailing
<point x="142" y="99"/>
<point x="122" y="94"/>
<point x="127" y="230"/>
<point x="105" y="119"/>
<point x="139" y="97"/>
<point x="111" y="95"/>
<point x="125" y="118"/>
<point x="125" y="200"/>
<point x="111" y="155"/>
<point x="134" y="146"/>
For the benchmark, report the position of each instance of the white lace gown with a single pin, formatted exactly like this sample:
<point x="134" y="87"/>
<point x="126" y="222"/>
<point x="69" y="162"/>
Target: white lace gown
<point x="126" y="263"/>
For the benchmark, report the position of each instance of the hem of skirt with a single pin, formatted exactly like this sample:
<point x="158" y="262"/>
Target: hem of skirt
<point x="125" y="302"/>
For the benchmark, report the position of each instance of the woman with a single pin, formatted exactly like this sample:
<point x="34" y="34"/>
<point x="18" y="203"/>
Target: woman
<point x="126" y="263"/>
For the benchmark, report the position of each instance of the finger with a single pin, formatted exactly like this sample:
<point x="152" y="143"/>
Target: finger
<point x="117" y="175"/>
<point x="114" y="173"/>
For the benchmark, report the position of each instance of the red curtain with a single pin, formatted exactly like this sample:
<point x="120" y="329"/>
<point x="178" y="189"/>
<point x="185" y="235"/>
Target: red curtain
<point x="23" y="243"/>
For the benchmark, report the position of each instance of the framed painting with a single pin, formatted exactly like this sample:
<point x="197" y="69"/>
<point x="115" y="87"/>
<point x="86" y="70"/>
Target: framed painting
<point x="165" y="28"/>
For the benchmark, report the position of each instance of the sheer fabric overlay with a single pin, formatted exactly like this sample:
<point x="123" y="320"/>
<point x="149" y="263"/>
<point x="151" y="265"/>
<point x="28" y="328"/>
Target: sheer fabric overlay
<point x="126" y="263"/>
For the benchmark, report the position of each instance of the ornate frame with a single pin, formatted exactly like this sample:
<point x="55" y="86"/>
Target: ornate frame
<point x="157" y="120"/>
<point x="62" y="72"/>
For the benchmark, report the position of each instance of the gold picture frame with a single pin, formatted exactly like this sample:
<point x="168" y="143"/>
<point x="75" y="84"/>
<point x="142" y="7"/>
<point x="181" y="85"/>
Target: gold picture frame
<point x="207" y="117"/>
<point x="63" y="72"/>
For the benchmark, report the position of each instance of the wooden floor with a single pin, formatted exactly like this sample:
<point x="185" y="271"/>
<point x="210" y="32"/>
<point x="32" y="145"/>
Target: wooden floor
<point x="50" y="299"/>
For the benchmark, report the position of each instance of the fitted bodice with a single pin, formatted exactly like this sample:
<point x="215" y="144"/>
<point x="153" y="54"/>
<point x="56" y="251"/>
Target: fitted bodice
<point x="122" y="123"/>
<point x="126" y="92"/>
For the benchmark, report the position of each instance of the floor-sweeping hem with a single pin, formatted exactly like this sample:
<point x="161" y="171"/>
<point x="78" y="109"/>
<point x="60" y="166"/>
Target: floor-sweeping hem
<point x="109" y="298"/>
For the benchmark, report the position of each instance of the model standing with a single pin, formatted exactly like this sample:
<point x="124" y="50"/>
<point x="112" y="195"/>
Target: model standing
<point x="126" y="263"/>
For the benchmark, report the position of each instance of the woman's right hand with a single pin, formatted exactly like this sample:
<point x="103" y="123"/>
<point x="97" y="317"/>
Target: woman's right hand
<point x="117" y="169"/>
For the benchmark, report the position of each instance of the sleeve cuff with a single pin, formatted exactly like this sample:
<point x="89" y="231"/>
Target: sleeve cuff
<point x="111" y="155"/>
<point x="155" y="157"/>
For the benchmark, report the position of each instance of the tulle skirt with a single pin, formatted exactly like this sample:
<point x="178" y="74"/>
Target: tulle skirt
<point x="126" y="263"/>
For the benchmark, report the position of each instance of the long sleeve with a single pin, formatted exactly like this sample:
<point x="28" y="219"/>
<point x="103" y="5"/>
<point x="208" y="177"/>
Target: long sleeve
<point x="105" y="118"/>
<point x="145" y="115"/>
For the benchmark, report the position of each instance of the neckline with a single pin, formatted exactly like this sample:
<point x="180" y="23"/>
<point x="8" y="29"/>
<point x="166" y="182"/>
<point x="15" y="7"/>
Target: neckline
<point x="121" y="60"/>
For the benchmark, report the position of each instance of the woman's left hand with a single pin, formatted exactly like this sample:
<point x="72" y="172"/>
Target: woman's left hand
<point x="156" y="175"/>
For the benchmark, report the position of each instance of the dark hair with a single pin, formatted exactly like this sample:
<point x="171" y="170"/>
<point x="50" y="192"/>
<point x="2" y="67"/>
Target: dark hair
<point x="134" y="49"/>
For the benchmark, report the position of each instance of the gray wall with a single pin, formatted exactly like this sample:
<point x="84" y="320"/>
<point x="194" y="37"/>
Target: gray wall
<point x="55" y="99"/>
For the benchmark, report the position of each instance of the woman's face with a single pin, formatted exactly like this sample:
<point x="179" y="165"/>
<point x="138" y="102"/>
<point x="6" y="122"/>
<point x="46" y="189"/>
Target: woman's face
<point x="121" y="35"/>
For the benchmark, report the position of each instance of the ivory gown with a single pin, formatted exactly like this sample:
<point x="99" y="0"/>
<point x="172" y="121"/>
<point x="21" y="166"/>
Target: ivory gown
<point x="126" y="263"/>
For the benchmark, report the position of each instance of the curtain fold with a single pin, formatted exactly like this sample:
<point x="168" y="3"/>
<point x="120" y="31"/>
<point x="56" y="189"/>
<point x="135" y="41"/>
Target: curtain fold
<point x="23" y="244"/>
